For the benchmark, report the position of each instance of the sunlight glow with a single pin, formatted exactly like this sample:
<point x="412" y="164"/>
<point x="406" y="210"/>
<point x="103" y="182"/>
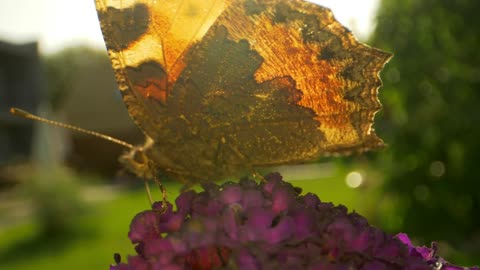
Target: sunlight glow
<point x="356" y="15"/>
<point x="58" y="23"/>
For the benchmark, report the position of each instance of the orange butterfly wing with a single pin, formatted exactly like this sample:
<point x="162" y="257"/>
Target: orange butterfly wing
<point x="223" y="86"/>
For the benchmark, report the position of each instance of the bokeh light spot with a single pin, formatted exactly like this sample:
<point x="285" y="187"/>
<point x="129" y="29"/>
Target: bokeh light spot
<point x="437" y="168"/>
<point x="354" y="179"/>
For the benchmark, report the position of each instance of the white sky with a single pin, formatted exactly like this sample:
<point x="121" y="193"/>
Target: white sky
<point x="60" y="23"/>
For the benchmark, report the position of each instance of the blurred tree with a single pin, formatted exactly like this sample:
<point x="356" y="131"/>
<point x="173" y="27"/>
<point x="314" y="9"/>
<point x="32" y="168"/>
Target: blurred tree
<point x="431" y="118"/>
<point x="62" y="69"/>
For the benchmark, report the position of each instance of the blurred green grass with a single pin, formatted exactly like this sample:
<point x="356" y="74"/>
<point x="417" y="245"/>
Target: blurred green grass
<point x="90" y="245"/>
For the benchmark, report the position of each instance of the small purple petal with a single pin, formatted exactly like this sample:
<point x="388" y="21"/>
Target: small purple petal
<point x="144" y="227"/>
<point x="164" y="214"/>
<point x="159" y="266"/>
<point x="245" y="260"/>
<point x="281" y="199"/>
<point x="231" y="194"/>
<point x="273" y="180"/>
<point x="360" y="242"/>
<point x="252" y="198"/>
<point x="260" y="218"/>
<point x="311" y="200"/>
<point x="403" y="237"/>
<point x="157" y="247"/>
<point x="229" y="222"/>
<point x="421" y="252"/>
<point x="390" y="249"/>
<point x="173" y="224"/>
<point x="282" y="231"/>
<point x="137" y="263"/>
<point x="184" y="201"/>
<point x="304" y="223"/>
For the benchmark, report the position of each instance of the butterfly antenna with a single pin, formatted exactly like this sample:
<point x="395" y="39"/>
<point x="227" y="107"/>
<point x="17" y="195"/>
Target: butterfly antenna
<point x="25" y="114"/>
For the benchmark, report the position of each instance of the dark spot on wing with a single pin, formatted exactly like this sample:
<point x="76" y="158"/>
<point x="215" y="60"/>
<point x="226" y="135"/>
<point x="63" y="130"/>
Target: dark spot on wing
<point x="122" y="27"/>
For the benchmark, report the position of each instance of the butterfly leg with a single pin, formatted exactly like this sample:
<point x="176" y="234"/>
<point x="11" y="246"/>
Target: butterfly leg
<point x="154" y="176"/>
<point x="164" y="193"/>
<point x="162" y="189"/>
<point x="149" y="194"/>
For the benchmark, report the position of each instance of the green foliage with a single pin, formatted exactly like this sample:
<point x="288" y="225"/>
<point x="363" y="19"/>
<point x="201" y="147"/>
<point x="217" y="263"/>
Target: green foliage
<point x="431" y="119"/>
<point x="56" y="201"/>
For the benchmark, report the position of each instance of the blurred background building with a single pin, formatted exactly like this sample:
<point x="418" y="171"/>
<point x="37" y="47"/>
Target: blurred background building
<point x="21" y="85"/>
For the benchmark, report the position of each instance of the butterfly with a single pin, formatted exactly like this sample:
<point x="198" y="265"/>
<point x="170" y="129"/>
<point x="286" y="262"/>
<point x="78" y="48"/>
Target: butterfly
<point x="220" y="87"/>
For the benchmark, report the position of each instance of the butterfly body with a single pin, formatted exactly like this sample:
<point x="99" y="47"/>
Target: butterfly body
<point x="221" y="87"/>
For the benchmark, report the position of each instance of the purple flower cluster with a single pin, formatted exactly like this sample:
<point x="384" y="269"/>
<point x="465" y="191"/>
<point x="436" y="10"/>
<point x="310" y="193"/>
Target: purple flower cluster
<point x="267" y="225"/>
<point x="430" y="255"/>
